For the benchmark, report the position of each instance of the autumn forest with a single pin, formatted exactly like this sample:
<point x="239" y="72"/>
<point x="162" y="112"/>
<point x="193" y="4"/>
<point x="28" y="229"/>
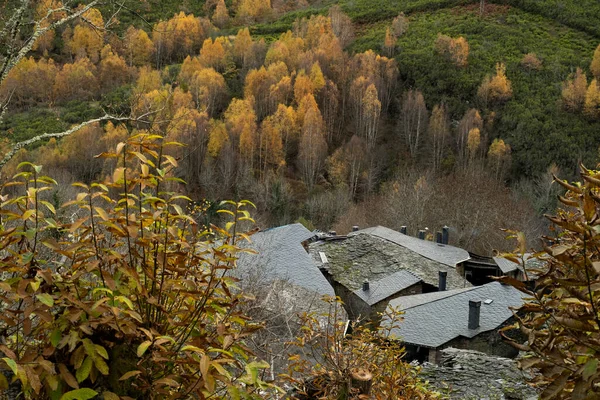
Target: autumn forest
<point x="421" y="113"/>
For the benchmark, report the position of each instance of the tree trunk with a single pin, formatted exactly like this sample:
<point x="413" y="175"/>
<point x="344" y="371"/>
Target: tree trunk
<point x="361" y="379"/>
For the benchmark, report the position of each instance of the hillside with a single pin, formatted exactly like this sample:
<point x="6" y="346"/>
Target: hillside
<point x="372" y="162"/>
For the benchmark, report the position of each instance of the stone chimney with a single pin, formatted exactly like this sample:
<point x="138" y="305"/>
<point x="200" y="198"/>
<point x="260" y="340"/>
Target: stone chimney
<point x="474" y="313"/>
<point x="439" y="238"/>
<point x="365" y="286"/>
<point x="355" y="228"/>
<point x="422" y="234"/>
<point x="403" y="229"/>
<point x="445" y="234"/>
<point x="442" y="280"/>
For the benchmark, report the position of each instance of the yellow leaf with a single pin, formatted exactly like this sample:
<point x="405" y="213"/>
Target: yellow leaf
<point x="143" y="347"/>
<point x="129" y="374"/>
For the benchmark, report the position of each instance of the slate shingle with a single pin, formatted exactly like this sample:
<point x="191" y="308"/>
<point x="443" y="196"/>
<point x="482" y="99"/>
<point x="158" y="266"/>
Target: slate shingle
<point x="281" y="256"/>
<point x="433" y="319"/>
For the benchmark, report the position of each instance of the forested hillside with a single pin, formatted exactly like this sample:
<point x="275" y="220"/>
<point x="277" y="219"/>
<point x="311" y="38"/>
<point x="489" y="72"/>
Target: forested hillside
<point x="336" y="113"/>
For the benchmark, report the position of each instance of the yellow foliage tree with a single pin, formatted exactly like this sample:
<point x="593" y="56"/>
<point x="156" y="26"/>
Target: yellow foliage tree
<point x="473" y="143"/>
<point x="271" y="144"/>
<point x="148" y="80"/>
<point x="221" y="15"/>
<point x="438" y="132"/>
<point x="44" y="12"/>
<point x="253" y="10"/>
<point x="30" y="81"/>
<point x="213" y="54"/>
<point x="499" y="157"/>
<point x="316" y="77"/>
<point x="218" y="138"/>
<point x="209" y="90"/>
<point x="76" y="81"/>
<point x="496" y="88"/>
<point x="313" y="147"/>
<point x="389" y="43"/>
<point x="113" y="70"/>
<point x="574" y="91"/>
<point x="88" y="39"/>
<point x="303" y="86"/>
<point x="455" y="50"/>
<point x="138" y="47"/>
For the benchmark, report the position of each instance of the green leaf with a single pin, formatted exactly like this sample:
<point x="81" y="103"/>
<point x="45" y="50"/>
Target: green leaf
<point x="102" y="351"/>
<point x="84" y="371"/>
<point x="143" y="347"/>
<point x="12" y="364"/>
<point x="55" y="337"/>
<point x="46" y="299"/>
<point x="79" y="394"/>
<point x="590" y="368"/>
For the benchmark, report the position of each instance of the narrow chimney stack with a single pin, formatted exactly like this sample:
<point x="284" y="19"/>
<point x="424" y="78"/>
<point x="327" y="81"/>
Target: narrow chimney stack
<point x="439" y="238"/>
<point x="365" y="286"/>
<point x="422" y="234"/>
<point x="442" y="280"/>
<point x="403" y="229"/>
<point x="445" y="234"/>
<point x="474" y="314"/>
<point x="355" y="228"/>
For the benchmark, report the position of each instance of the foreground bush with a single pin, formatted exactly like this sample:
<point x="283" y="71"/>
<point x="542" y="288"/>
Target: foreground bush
<point x="366" y="364"/>
<point x="561" y="318"/>
<point x="119" y="292"/>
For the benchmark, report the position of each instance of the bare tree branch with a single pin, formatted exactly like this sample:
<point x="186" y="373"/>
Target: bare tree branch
<point x="17" y="146"/>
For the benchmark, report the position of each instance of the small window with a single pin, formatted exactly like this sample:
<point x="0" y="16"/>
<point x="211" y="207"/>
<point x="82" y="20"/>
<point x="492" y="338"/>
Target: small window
<point x="488" y="301"/>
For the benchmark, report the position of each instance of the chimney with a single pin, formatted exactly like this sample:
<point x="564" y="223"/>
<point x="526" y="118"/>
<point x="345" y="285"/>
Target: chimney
<point x="474" y="313"/>
<point x="422" y="234"/>
<point x="365" y="286"/>
<point x="439" y="238"/>
<point x="333" y="233"/>
<point x="442" y="280"/>
<point x="445" y="233"/>
<point x="403" y="229"/>
<point x="355" y="228"/>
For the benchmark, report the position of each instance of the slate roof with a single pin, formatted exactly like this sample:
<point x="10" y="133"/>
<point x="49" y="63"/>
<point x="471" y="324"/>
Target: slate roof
<point x="507" y="266"/>
<point x="441" y="253"/>
<point x="433" y="319"/>
<point x="365" y="256"/>
<point x="387" y="286"/>
<point x="281" y="256"/>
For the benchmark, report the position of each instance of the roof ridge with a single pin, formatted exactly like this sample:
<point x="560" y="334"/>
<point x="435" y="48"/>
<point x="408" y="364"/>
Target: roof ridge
<point x="458" y="291"/>
<point x="411" y="249"/>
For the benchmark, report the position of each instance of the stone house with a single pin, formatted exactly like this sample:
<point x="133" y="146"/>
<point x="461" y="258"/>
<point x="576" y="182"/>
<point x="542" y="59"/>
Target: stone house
<point x="466" y="318"/>
<point x="369" y="267"/>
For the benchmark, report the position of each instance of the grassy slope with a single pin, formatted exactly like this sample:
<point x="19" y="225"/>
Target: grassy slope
<point x="531" y="122"/>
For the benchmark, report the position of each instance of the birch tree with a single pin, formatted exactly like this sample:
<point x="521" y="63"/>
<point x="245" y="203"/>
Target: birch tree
<point x="20" y="30"/>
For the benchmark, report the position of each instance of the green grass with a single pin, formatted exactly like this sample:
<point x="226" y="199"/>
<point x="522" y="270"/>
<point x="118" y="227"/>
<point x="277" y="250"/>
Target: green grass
<point x="24" y="125"/>
<point x="583" y="15"/>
